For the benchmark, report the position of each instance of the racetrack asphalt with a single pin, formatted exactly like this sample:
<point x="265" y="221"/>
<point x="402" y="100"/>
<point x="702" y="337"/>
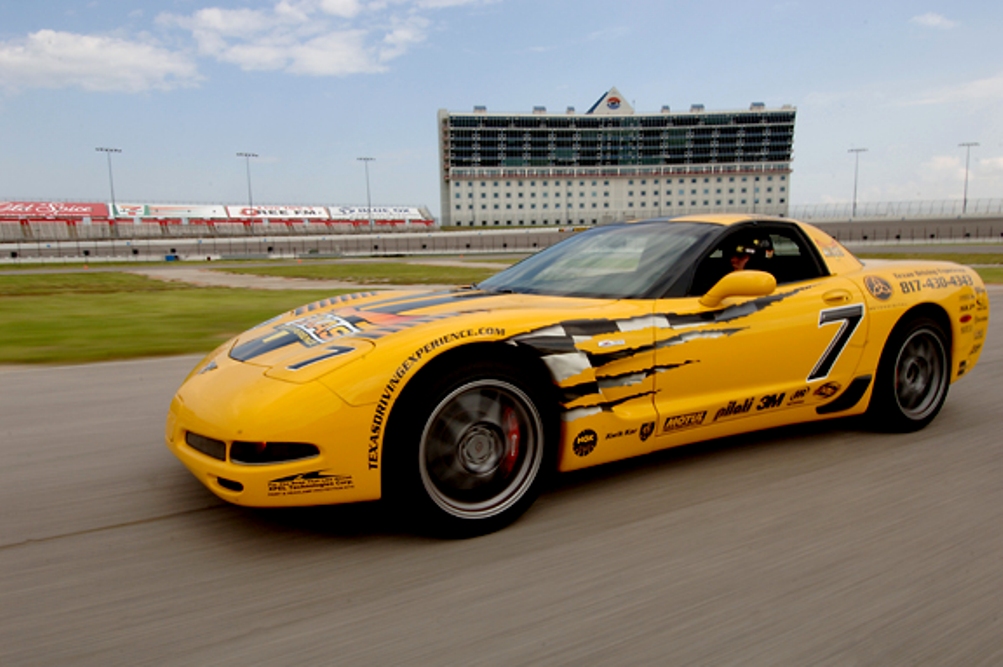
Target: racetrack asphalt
<point x="814" y="545"/>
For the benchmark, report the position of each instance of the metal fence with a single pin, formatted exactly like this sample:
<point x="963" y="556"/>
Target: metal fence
<point x="900" y="210"/>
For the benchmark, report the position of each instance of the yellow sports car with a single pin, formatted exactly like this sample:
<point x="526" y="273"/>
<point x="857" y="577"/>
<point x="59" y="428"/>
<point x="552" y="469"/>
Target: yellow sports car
<point x="621" y="340"/>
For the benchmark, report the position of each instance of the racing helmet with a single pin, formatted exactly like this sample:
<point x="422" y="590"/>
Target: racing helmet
<point x="754" y="247"/>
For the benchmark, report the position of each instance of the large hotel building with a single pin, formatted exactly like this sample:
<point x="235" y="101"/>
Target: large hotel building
<point x="610" y="163"/>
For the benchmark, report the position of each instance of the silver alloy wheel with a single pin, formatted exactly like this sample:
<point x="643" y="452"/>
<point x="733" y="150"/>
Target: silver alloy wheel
<point x="481" y="449"/>
<point x="920" y="374"/>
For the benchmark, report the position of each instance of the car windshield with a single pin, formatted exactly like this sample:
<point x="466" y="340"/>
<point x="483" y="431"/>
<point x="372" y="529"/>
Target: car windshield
<point x="619" y="261"/>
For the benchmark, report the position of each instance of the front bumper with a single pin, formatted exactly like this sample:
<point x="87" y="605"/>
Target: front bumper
<point x="237" y="402"/>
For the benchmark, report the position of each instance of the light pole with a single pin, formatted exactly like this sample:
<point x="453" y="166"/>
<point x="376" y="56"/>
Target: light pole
<point x="247" y="162"/>
<point x="856" y="167"/>
<point x="968" y="153"/>
<point x="111" y="181"/>
<point x="369" y="202"/>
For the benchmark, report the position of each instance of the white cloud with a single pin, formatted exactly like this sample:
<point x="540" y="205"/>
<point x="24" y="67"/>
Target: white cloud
<point x="52" y="59"/>
<point x="332" y="54"/>
<point x="933" y="20"/>
<point x="442" y="4"/>
<point x="941" y="166"/>
<point x="302" y="37"/>
<point x="313" y="37"/>
<point x="993" y="164"/>
<point x="980" y="90"/>
<point x="343" y="8"/>
<point x="403" y="35"/>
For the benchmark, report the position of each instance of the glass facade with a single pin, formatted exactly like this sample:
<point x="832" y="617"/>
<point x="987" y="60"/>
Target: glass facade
<point x="483" y="141"/>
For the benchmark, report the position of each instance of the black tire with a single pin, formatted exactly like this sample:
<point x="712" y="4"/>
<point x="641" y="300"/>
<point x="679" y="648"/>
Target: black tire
<point x="913" y="377"/>
<point x="468" y="451"/>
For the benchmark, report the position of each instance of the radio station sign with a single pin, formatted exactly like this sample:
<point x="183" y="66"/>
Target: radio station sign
<point x="280" y="212"/>
<point x="35" y="209"/>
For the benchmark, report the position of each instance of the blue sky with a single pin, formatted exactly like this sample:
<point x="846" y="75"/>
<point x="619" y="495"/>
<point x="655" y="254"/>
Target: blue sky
<point x="181" y="86"/>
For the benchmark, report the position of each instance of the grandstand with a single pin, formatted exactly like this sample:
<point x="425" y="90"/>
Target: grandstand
<point x="611" y="163"/>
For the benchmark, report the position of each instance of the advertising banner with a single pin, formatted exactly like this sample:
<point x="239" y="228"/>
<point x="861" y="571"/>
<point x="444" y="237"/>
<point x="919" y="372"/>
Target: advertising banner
<point x="278" y="212"/>
<point x="379" y="213"/>
<point x="170" y="211"/>
<point x="55" y="209"/>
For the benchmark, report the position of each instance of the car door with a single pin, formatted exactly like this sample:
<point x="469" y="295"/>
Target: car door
<point x="755" y="362"/>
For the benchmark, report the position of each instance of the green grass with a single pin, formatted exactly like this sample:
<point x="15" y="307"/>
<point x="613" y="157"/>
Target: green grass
<point x="82" y="317"/>
<point x="93" y="317"/>
<point x="389" y="273"/>
<point x="81" y="283"/>
<point x="991" y="276"/>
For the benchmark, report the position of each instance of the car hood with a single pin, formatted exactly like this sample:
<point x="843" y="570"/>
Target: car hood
<point x="310" y="341"/>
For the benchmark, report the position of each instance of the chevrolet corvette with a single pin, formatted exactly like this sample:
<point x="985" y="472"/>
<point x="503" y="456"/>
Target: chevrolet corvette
<point x="455" y="406"/>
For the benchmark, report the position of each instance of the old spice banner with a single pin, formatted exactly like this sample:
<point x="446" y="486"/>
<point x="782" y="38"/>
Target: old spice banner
<point x="52" y="209"/>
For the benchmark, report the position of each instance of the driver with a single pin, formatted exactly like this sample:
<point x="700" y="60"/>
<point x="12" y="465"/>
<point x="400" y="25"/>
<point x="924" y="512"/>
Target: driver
<point x="741" y="254"/>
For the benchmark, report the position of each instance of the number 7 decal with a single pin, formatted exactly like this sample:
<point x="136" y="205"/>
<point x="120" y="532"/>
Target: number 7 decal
<point x="850" y="317"/>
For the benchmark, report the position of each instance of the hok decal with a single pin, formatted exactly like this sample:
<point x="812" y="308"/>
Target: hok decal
<point x="646" y="430"/>
<point x="585" y="442"/>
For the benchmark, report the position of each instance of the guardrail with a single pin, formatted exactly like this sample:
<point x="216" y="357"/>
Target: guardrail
<point x="526" y="240"/>
<point x="262" y="247"/>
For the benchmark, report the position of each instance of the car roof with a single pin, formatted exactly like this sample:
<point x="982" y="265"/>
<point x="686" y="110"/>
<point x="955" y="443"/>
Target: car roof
<point x="723" y="219"/>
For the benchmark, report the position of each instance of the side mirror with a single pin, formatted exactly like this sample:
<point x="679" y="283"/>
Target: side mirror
<point x="740" y="283"/>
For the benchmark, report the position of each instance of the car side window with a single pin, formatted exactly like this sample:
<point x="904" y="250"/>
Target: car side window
<point x="784" y="253"/>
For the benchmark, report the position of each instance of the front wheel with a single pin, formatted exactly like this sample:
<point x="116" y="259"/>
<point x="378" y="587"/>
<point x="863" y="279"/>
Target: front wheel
<point x="913" y="377"/>
<point x="479" y="457"/>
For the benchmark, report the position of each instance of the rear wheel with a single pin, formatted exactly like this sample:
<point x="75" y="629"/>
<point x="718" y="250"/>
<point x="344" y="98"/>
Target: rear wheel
<point x="472" y="455"/>
<point x="913" y="377"/>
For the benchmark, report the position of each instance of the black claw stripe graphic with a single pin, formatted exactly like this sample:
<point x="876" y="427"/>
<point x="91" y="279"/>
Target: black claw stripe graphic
<point x="424" y="300"/>
<point x="579" y="391"/>
<point x="398" y="326"/>
<point x="564" y="338"/>
<point x="729" y="313"/>
<point x="590" y="327"/>
<point x="604" y="405"/>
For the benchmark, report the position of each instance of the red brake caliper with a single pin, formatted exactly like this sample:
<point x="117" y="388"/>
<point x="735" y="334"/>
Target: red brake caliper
<point x="512" y="440"/>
